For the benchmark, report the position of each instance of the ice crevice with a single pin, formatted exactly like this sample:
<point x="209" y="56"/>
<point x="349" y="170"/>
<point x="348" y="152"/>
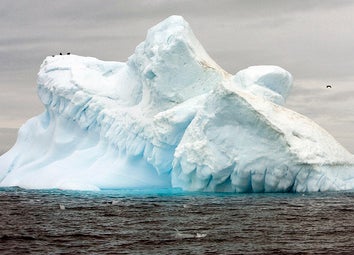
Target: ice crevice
<point x="171" y="117"/>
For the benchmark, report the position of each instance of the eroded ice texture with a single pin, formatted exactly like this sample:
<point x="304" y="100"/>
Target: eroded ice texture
<point x="171" y="117"/>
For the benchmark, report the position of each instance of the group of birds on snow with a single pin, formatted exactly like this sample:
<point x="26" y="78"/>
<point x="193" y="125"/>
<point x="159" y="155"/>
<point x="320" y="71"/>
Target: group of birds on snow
<point x="61" y="54"/>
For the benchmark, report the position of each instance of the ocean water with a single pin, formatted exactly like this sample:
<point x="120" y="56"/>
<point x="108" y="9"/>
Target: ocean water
<point x="174" y="222"/>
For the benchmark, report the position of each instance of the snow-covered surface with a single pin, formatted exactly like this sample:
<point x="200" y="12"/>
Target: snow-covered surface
<point x="171" y="117"/>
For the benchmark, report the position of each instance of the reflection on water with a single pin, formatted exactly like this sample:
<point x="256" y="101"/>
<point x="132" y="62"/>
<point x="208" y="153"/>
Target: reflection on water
<point x="173" y="222"/>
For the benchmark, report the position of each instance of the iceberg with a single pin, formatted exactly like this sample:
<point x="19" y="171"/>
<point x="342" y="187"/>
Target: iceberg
<point x="170" y="117"/>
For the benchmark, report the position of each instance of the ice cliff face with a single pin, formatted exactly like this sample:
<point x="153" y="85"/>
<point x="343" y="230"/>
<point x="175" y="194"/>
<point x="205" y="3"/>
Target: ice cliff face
<point x="171" y="117"/>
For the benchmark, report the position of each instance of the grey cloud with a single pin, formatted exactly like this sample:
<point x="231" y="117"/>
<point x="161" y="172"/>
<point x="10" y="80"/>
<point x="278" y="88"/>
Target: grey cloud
<point x="7" y="138"/>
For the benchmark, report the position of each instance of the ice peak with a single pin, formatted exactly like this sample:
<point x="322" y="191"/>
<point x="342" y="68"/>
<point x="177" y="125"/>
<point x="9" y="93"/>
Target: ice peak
<point x="172" y="64"/>
<point x="175" y="30"/>
<point x="170" y="25"/>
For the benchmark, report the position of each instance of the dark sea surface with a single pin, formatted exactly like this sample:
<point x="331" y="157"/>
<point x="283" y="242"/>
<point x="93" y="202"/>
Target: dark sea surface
<point x="174" y="222"/>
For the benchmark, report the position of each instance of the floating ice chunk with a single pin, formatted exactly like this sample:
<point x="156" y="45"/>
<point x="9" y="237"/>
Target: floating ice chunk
<point x="200" y="235"/>
<point x="114" y="202"/>
<point x="181" y="235"/>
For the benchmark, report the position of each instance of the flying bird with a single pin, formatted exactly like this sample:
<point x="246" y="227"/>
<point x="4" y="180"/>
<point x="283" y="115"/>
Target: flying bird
<point x="328" y="86"/>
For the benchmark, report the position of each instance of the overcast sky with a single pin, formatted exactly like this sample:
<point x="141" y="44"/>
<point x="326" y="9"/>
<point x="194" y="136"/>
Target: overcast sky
<point x="313" y="40"/>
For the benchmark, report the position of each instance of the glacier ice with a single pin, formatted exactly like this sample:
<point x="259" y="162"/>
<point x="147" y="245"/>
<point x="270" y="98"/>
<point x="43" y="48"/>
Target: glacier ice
<point x="171" y="117"/>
